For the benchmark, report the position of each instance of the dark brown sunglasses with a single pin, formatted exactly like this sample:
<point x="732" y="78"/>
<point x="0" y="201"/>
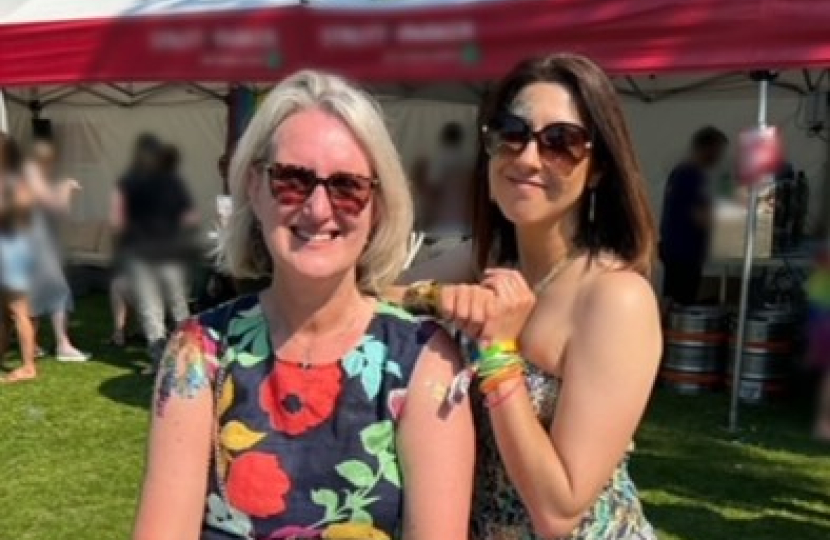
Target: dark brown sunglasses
<point x="563" y="141"/>
<point x="292" y="185"/>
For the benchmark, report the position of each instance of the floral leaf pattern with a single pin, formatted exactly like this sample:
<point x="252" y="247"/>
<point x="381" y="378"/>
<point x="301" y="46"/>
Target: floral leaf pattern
<point x="289" y="460"/>
<point x="393" y="368"/>
<point x="248" y="360"/>
<point x="361" y="516"/>
<point x="378" y="440"/>
<point x="395" y="311"/>
<point x="250" y="333"/>
<point x="389" y="468"/>
<point x="224" y="517"/>
<point x="236" y="436"/>
<point x="356" y="472"/>
<point x="377" y="437"/>
<point x="326" y="498"/>
<point x="368" y="361"/>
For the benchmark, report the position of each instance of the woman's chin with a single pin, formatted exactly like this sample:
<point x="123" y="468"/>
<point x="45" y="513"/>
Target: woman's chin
<point x="521" y="214"/>
<point x="315" y="268"/>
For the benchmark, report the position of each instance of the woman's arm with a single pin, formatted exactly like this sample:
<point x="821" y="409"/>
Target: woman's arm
<point x="452" y="266"/>
<point x="63" y="193"/>
<point x="117" y="215"/>
<point x="612" y="358"/>
<point x="173" y="496"/>
<point x="57" y="198"/>
<point x="437" y="448"/>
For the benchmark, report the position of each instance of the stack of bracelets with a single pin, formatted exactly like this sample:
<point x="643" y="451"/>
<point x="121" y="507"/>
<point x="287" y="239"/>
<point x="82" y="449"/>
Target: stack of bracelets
<point x="496" y="363"/>
<point x="499" y="363"/>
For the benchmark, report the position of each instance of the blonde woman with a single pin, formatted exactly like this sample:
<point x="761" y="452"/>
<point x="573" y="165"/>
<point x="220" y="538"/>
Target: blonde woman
<point x="310" y="410"/>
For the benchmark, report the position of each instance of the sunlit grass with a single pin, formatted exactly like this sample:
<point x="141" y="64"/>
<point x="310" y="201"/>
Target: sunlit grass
<point x="72" y="451"/>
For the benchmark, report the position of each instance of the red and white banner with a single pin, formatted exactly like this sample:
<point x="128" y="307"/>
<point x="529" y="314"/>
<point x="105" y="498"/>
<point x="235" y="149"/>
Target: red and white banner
<point x="71" y="41"/>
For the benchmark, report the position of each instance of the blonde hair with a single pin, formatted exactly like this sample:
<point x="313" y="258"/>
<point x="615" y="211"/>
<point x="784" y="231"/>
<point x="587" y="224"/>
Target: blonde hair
<point x="242" y="249"/>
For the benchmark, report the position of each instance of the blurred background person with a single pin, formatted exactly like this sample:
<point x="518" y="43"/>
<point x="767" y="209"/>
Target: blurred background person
<point x="120" y="303"/>
<point x="441" y="185"/>
<point x="687" y="221"/>
<point x="52" y="199"/>
<point x="15" y="260"/>
<point x="152" y="214"/>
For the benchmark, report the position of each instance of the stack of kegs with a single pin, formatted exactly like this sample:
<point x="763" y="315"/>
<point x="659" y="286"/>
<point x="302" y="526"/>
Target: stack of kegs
<point x="695" y="346"/>
<point x="767" y="354"/>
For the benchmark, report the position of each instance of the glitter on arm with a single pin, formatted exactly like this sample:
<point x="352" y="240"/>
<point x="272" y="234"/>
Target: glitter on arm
<point x="182" y="372"/>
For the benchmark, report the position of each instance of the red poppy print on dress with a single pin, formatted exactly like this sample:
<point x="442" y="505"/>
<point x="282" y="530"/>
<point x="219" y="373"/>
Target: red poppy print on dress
<point x="257" y="484"/>
<point x="297" y="399"/>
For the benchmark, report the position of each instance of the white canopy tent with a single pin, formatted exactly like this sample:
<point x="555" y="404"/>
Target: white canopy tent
<point x="97" y="124"/>
<point x="111" y="41"/>
<point x="90" y="48"/>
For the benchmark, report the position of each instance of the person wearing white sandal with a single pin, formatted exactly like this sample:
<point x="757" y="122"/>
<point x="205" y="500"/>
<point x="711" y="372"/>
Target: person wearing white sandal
<point x="50" y="294"/>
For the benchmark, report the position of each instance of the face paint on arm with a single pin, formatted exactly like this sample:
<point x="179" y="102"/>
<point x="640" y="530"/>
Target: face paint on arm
<point x="182" y="372"/>
<point x="438" y="391"/>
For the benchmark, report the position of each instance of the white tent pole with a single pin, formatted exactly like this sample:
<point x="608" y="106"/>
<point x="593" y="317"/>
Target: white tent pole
<point x="749" y="245"/>
<point x="4" y="115"/>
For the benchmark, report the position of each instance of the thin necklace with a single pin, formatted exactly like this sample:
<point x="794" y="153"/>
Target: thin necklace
<point x="307" y="351"/>
<point x="554" y="272"/>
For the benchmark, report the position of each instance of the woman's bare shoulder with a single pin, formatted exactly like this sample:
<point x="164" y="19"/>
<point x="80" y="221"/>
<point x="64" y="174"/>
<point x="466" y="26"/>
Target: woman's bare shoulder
<point x="614" y="291"/>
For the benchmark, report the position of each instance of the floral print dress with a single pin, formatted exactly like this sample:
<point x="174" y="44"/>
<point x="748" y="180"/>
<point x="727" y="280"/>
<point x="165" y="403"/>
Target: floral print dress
<point x="306" y="451"/>
<point x="499" y="513"/>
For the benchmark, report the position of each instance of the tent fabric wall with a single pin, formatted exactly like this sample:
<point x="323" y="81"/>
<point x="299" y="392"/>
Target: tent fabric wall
<point x="16" y="116"/>
<point x="97" y="139"/>
<point x="662" y="132"/>
<point x="96" y="143"/>
<point x="415" y="125"/>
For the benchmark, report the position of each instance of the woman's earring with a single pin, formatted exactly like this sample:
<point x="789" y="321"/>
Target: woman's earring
<point x="592" y="205"/>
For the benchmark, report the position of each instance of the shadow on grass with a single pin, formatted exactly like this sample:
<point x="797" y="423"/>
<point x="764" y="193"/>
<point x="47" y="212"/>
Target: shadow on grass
<point x="134" y="388"/>
<point x="700" y="481"/>
<point x="131" y="389"/>
<point x="690" y="521"/>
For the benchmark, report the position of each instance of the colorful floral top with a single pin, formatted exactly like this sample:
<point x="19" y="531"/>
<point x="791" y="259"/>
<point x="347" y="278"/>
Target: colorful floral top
<point x="306" y="451"/>
<point x="498" y="511"/>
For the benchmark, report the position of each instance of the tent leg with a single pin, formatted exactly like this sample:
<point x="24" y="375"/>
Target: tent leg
<point x="749" y="245"/>
<point x="4" y="114"/>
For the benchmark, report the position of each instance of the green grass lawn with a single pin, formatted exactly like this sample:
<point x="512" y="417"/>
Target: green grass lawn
<point x="72" y="450"/>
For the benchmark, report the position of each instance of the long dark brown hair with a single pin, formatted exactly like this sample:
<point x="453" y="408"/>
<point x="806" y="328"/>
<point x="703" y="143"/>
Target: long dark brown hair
<point x="623" y="222"/>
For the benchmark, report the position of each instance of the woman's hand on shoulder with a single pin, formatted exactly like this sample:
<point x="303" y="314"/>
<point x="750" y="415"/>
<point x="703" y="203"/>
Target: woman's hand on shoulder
<point x="514" y="302"/>
<point x="467" y="307"/>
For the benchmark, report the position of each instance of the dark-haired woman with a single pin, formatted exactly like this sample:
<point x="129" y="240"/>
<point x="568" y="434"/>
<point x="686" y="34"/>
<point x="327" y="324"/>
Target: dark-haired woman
<point x="565" y="318"/>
